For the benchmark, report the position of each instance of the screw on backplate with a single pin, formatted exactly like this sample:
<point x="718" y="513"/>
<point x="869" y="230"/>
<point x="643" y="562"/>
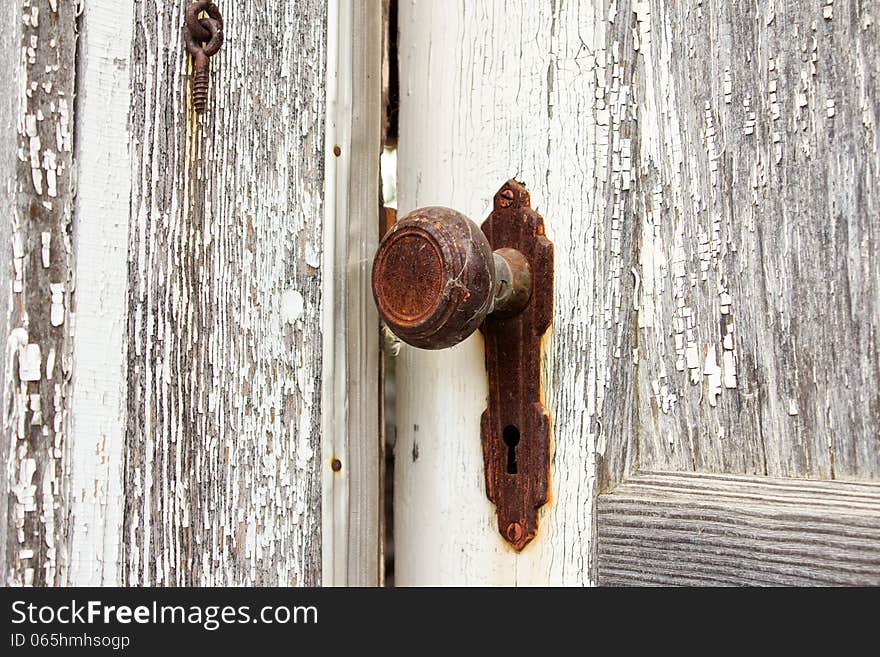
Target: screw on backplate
<point x="514" y="532"/>
<point x="506" y="198"/>
<point x="203" y="38"/>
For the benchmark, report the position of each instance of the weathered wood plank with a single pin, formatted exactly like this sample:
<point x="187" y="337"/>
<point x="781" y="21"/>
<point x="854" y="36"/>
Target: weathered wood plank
<point x="9" y="72"/>
<point x="39" y="266"/>
<point x="757" y="204"/>
<point x="661" y="528"/>
<point x="696" y="164"/>
<point x="489" y="91"/>
<point x="351" y="536"/>
<point x="100" y="239"/>
<point x="223" y="449"/>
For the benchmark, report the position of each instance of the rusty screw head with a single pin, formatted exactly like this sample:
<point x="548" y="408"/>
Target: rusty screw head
<point x="514" y="532"/>
<point x="433" y="278"/>
<point x="506" y="198"/>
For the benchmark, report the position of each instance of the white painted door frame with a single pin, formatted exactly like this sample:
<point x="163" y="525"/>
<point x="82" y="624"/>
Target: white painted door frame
<point x="484" y="99"/>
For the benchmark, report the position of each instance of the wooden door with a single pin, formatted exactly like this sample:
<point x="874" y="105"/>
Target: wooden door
<point x="754" y="454"/>
<point x="189" y="338"/>
<point x="708" y="173"/>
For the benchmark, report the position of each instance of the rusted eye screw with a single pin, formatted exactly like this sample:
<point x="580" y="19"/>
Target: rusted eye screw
<point x="203" y="38"/>
<point x="435" y="278"/>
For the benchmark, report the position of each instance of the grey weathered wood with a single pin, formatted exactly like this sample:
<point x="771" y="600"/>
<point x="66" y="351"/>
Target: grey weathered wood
<point x="177" y="436"/>
<point x="756" y="205"/>
<point x="223" y="453"/>
<point x="662" y="528"/>
<point x="9" y="38"/>
<point x="39" y="39"/>
<point x="352" y="527"/>
<point x="362" y="321"/>
<point x="755" y="277"/>
<point x="609" y="351"/>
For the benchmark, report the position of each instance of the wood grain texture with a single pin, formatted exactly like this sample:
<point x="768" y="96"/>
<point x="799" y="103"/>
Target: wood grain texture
<point x="756" y="205"/>
<point x="490" y="91"/>
<point x="9" y="72"/>
<point x="223" y="438"/>
<point x="351" y="536"/>
<point x="665" y="529"/>
<point x="39" y="266"/>
<point x="100" y="241"/>
<point x="708" y="173"/>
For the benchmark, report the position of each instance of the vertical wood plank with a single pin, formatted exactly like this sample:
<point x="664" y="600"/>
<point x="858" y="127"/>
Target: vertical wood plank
<point x="101" y="228"/>
<point x="351" y="537"/>
<point x="9" y="72"/>
<point x="490" y="91"/>
<point x="40" y="270"/>
<point x="223" y="451"/>
<point x="189" y="445"/>
<point x="757" y="218"/>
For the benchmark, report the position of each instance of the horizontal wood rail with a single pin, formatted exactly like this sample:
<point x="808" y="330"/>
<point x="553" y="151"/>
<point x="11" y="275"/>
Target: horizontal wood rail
<point x="696" y="529"/>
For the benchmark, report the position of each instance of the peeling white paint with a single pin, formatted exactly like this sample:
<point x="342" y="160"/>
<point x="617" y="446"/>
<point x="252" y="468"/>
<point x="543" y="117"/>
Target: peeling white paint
<point x="537" y="93"/>
<point x="99" y="383"/>
<point x="45" y="252"/>
<point x="742" y="262"/>
<point x="57" y="303"/>
<point x="30" y="362"/>
<point x="223" y="433"/>
<point x="292" y="306"/>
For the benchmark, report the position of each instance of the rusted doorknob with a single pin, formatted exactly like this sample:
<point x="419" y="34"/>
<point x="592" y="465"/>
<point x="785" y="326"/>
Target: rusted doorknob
<point x="435" y="278"/>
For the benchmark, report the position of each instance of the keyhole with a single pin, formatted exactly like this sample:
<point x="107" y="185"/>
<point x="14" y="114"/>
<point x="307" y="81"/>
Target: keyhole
<point x="511" y="439"/>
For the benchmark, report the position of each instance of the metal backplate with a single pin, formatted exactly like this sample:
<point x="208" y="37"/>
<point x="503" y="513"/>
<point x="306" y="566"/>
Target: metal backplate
<point x="515" y="427"/>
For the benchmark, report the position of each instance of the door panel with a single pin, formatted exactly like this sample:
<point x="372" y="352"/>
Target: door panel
<point x="757" y="300"/>
<point x="490" y="91"/>
<point x="756" y="214"/>
<point x="709" y="174"/>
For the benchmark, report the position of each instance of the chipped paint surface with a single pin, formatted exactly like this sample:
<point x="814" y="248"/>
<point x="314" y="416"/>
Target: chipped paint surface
<point x="35" y="429"/>
<point x="164" y="427"/>
<point x="708" y="173"/>
<point x="489" y="91"/>
<point x="222" y="449"/>
<point x="765" y="205"/>
<point x="99" y="384"/>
